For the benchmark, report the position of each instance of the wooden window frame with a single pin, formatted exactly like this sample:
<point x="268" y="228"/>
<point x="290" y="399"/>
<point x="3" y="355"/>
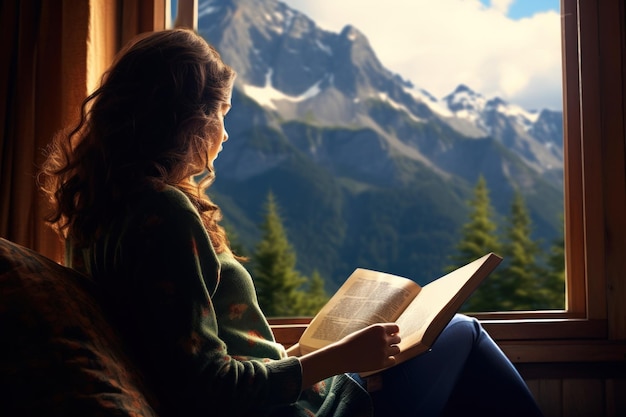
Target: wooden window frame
<point x="186" y="14"/>
<point x="592" y="327"/>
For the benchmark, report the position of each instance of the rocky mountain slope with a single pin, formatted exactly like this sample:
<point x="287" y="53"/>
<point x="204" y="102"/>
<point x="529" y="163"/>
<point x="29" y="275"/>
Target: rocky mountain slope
<point x="368" y="169"/>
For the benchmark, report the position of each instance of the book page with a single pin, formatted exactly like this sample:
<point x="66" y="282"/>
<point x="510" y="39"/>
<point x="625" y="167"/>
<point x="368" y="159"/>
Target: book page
<point x="440" y="300"/>
<point x="433" y="308"/>
<point x="417" y="317"/>
<point x="367" y="297"/>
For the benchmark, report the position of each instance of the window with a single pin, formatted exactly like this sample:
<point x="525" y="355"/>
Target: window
<point x="594" y="200"/>
<point x="593" y="204"/>
<point x="594" y="64"/>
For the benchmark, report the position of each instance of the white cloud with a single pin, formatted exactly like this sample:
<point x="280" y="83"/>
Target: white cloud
<point x="501" y="6"/>
<point x="440" y="44"/>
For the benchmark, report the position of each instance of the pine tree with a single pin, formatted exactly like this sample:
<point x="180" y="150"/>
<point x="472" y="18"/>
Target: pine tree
<point x="478" y="235"/>
<point x="479" y="238"/>
<point x="276" y="279"/>
<point x="233" y="238"/>
<point x="522" y="278"/>
<point x="315" y="297"/>
<point x="554" y="286"/>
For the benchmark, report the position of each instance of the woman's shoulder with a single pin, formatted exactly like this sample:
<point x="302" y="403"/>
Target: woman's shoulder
<point x="159" y="209"/>
<point x="163" y="199"/>
<point x="167" y="194"/>
<point x="228" y="262"/>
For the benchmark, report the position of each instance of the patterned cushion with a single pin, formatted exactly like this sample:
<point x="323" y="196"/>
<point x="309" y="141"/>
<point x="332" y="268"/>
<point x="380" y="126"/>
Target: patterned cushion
<point x="58" y="355"/>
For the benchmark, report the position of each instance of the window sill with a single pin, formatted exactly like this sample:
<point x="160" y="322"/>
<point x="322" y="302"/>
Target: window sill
<point x="522" y="340"/>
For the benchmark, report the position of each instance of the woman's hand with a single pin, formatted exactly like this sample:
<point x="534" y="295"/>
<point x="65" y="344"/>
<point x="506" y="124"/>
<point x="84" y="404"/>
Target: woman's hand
<point x="294" y="350"/>
<point x="369" y="349"/>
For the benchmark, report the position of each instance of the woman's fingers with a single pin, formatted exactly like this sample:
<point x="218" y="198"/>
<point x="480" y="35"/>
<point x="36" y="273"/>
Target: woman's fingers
<point x="390" y="338"/>
<point x="392" y="333"/>
<point x="391" y="328"/>
<point x="382" y="340"/>
<point x="394" y="339"/>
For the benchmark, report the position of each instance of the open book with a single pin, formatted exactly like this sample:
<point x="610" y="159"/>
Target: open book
<point x="369" y="297"/>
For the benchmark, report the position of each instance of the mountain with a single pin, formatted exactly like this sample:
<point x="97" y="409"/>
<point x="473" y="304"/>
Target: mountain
<point x="368" y="169"/>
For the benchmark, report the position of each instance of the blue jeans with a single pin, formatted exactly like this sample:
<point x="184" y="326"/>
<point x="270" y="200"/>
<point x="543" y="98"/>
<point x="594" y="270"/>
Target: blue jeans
<point x="465" y="373"/>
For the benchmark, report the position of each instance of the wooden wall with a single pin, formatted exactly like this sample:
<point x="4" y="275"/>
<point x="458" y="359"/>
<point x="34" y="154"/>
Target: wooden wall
<point x="578" y="389"/>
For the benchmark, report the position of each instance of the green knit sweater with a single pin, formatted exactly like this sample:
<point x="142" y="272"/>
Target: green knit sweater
<point x="193" y="322"/>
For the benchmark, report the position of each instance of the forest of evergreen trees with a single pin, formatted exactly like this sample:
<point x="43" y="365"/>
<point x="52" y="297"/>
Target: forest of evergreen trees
<point x="529" y="278"/>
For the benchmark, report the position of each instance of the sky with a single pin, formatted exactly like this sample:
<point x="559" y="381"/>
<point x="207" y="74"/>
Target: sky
<point x="505" y="48"/>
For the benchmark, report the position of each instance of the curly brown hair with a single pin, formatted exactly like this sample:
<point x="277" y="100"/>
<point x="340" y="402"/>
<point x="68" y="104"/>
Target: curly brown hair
<point x="149" y="123"/>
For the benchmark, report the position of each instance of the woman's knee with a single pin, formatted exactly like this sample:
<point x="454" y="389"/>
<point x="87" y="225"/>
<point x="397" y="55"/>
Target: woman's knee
<point x="466" y="324"/>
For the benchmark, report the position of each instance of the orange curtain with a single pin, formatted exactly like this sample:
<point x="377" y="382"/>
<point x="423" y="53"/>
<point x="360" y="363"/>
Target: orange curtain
<point x="56" y="53"/>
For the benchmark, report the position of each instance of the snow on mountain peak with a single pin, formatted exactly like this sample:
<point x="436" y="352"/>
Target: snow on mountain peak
<point x="425" y="97"/>
<point x="466" y="104"/>
<point x="384" y="97"/>
<point x="465" y="100"/>
<point x="207" y="8"/>
<point x="267" y="95"/>
<point x="351" y="33"/>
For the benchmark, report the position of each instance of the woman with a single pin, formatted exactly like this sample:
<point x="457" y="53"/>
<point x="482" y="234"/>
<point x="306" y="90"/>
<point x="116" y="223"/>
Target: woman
<point x="124" y="196"/>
